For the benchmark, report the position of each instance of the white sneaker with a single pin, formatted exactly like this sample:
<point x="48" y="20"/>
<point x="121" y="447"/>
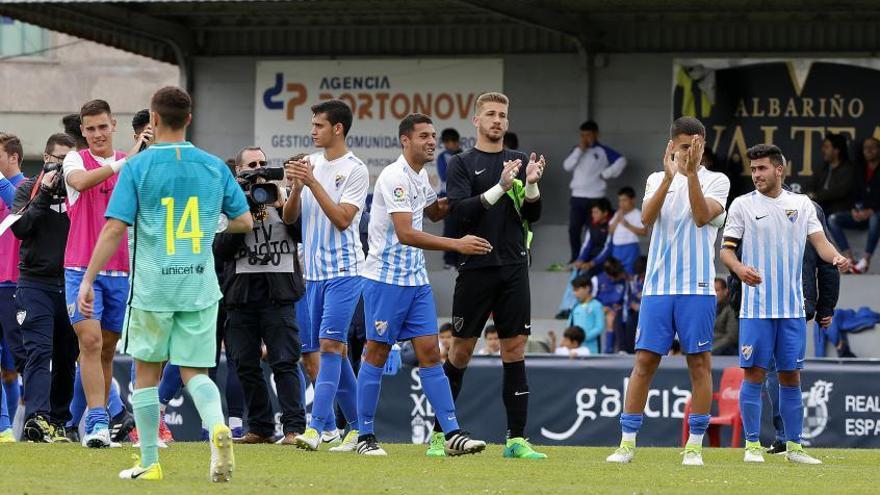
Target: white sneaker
<point x="692" y="455"/>
<point x="624" y="454"/>
<point x="862" y="266"/>
<point x="370" y="447"/>
<point x="461" y="444"/>
<point x="222" y="457"/>
<point x="796" y="454"/>
<point x="153" y="473"/>
<point x="330" y="436"/>
<point x="349" y="444"/>
<point x="754" y="453"/>
<point x="309" y="440"/>
<point x="99" y="438"/>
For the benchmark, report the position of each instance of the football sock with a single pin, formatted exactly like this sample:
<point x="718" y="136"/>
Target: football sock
<point x="206" y="398"/>
<point x="369" y="384"/>
<point x="145" y="404"/>
<point x="326" y="386"/>
<point x="515" y="392"/>
<point x="346" y="393"/>
<point x="630" y="425"/>
<point x="78" y="403"/>
<point x="96" y="416"/>
<point x="114" y="402"/>
<point x="697" y="423"/>
<point x="791" y="407"/>
<point x="13" y="394"/>
<point x="170" y="383"/>
<point x="455" y="377"/>
<point x="436" y="387"/>
<point x="750" y="408"/>
<point x="4" y="411"/>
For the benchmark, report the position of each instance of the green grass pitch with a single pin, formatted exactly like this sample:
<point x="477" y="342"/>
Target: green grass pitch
<point x="61" y="469"/>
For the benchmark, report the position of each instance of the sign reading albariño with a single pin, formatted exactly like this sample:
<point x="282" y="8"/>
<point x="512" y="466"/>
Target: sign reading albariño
<point x="380" y="93"/>
<point x="791" y="103"/>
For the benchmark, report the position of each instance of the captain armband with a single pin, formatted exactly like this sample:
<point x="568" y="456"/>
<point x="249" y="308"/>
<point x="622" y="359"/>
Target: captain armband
<point x="730" y="243"/>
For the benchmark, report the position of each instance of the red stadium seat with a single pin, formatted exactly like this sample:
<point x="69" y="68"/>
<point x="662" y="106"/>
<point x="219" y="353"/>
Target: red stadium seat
<point x="728" y="410"/>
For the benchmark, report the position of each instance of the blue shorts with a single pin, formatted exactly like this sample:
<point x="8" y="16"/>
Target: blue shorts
<point x="763" y="340"/>
<point x="111" y="295"/>
<point x="331" y="307"/>
<point x="394" y="313"/>
<point x="305" y="326"/>
<point x="627" y="254"/>
<point x="692" y="317"/>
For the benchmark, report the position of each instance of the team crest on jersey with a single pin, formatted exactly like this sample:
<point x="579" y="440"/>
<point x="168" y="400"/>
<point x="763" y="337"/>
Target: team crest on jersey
<point x="381" y="326"/>
<point x="20" y="316"/>
<point x="71" y="310"/>
<point x="339" y="180"/>
<point x="792" y="215"/>
<point x="457" y="323"/>
<point x="399" y="193"/>
<point x="746" y="351"/>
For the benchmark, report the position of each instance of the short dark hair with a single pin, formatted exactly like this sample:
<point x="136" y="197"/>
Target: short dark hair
<point x="613" y="267"/>
<point x="408" y="124"/>
<point x="449" y="134"/>
<point x="838" y="142"/>
<point x="722" y="281"/>
<point x="511" y="141"/>
<point x="61" y="139"/>
<point x="140" y="120"/>
<point x="173" y="106"/>
<point x="94" y="107"/>
<point x="590" y="125"/>
<point x="337" y="111"/>
<point x="581" y="281"/>
<point x="575" y="334"/>
<point x="770" y="151"/>
<point x="489" y="329"/>
<point x="446" y="327"/>
<point x="71" y="123"/>
<point x="627" y="191"/>
<point x="603" y="204"/>
<point x="686" y="125"/>
<point x="11" y="145"/>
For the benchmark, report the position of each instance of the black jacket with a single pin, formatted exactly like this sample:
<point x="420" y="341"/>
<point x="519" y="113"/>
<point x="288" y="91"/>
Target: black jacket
<point x="242" y="289"/>
<point x="869" y="192"/>
<point x="833" y="188"/>
<point x="43" y="229"/>
<point x="821" y="280"/>
<point x="470" y="174"/>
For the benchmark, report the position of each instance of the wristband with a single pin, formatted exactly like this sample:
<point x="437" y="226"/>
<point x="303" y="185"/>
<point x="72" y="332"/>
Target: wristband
<point x="493" y="195"/>
<point x="532" y="191"/>
<point x="117" y="165"/>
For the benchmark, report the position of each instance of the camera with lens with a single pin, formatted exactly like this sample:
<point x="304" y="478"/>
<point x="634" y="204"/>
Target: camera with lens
<point x="260" y="193"/>
<point x="58" y="189"/>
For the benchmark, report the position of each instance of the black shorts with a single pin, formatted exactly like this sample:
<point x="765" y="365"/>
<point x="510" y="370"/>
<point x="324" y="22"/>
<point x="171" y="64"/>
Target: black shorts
<point x="498" y="291"/>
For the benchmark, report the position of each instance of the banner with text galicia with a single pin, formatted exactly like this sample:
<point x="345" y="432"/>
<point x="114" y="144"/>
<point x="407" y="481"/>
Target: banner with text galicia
<point x="791" y="103"/>
<point x="380" y="93"/>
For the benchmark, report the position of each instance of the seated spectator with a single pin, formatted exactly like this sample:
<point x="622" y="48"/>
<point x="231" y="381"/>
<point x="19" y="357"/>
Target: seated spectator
<point x="625" y="228"/>
<point x="491" y="342"/>
<point x="609" y="288"/>
<point x="834" y="181"/>
<point x="626" y="338"/>
<point x="445" y="340"/>
<point x="587" y="313"/>
<point x="572" y="343"/>
<point x="725" y="341"/>
<point x="592" y="254"/>
<point x="866" y="212"/>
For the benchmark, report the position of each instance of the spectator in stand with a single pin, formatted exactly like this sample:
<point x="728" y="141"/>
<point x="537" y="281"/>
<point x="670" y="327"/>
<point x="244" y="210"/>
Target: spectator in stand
<point x="451" y="141"/>
<point x="591" y="164"/>
<point x="511" y="141"/>
<point x="834" y="181"/>
<point x="587" y="315"/>
<point x="609" y="287"/>
<point x="593" y="252"/>
<point x="445" y="339"/>
<point x="725" y="342"/>
<point x="626" y="337"/>
<point x="491" y="342"/>
<point x="626" y="227"/>
<point x="572" y="343"/>
<point x="866" y="213"/>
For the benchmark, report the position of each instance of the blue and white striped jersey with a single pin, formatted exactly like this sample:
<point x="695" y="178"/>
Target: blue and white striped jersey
<point x="681" y="256"/>
<point x="328" y="252"/>
<point x="398" y="189"/>
<point x="773" y="233"/>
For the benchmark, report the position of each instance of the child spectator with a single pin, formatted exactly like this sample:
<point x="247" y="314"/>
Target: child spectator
<point x="609" y="288"/>
<point x="632" y="305"/>
<point x="593" y="253"/>
<point x="572" y="343"/>
<point x="445" y="340"/>
<point x="625" y="229"/>
<point x="587" y="314"/>
<point x="491" y="342"/>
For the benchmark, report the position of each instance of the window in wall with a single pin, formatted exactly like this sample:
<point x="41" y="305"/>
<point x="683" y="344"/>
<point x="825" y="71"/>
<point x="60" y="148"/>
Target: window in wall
<point x="18" y="39"/>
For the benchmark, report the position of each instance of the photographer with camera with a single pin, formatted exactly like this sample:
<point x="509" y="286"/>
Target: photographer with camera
<point x="262" y="280"/>
<point x="45" y="327"/>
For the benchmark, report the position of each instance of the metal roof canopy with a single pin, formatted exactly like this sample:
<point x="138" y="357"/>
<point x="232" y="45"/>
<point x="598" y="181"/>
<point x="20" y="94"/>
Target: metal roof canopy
<point x="173" y="31"/>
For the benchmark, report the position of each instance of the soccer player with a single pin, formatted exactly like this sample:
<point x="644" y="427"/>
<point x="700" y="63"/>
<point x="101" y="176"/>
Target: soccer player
<point x="173" y="195"/>
<point x="492" y="196"/>
<point x="329" y="192"/>
<point x="773" y="225"/>
<point x="398" y="301"/>
<point x="685" y="204"/>
<point x="90" y="176"/>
